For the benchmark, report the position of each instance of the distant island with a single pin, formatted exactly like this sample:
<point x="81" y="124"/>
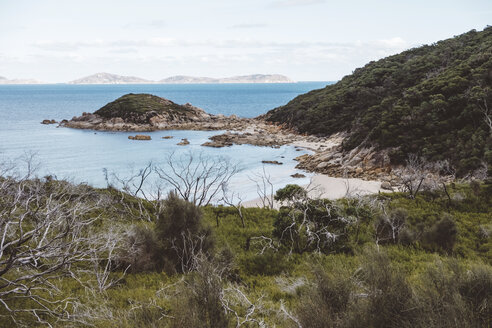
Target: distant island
<point x="255" y="78"/>
<point x="4" y="80"/>
<point x="107" y="78"/>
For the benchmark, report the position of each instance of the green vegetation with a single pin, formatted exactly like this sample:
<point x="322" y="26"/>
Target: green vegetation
<point x="139" y="108"/>
<point x="433" y="101"/>
<point x="386" y="260"/>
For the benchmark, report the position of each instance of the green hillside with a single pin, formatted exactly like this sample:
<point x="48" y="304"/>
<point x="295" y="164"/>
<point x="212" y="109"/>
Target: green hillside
<point x="428" y="100"/>
<point x="139" y="108"/>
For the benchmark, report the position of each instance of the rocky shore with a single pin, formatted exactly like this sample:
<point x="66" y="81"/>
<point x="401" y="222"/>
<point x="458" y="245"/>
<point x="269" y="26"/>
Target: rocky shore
<point x="327" y="156"/>
<point x="202" y="122"/>
<point x="144" y="112"/>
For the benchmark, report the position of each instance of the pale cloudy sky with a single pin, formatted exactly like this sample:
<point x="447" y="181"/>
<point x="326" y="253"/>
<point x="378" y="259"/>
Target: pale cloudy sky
<point x="61" y="40"/>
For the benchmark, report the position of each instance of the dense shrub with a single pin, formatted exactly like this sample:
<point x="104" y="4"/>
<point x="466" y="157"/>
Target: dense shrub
<point x="377" y="295"/>
<point x="441" y="236"/>
<point x="142" y="252"/>
<point x="325" y="303"/>
<point x="181" y="233"/>
<point x="172" y="243"/>
<point x="389" y="227"/>
<point x="380" y="295"/>
<point x="452" y="296"/>
<point x="312" y="225"/>
<point x="199" y="303"/>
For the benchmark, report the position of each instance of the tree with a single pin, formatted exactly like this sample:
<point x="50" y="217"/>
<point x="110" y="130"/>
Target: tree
<point x="197" y="179"/>
<point x="291" y="193"/>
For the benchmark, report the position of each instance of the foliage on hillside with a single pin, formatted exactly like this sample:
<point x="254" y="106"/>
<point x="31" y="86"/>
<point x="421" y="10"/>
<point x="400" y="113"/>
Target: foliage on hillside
<point x="431" y="100"/>
<point x="131" y="106"/>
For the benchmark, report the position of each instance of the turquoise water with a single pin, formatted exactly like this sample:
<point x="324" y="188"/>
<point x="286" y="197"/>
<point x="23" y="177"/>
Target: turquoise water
<point x="81" y="155"/>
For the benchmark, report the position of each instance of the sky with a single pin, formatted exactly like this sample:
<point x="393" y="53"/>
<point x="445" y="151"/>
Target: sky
<point x="307" y="40"/>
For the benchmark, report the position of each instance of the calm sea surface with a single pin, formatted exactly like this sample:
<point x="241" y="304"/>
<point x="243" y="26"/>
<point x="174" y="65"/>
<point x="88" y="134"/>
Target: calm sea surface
<point x="81" y="155"/>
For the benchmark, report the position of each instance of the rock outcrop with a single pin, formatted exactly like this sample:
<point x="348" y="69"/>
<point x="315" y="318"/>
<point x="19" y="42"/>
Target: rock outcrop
<point x="363" y="163"/>
<point x="144" y="112"/>
<point x="48" y="122"/>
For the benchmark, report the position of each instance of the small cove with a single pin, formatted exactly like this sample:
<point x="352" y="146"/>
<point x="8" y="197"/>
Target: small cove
<point x="81" y="155"/>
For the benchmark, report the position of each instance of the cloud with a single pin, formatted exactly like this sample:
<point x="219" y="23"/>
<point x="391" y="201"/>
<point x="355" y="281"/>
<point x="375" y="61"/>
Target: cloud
<point x="294" y="3"/>
<point x="67" y="45"/>
<point x="247" y="26"/>
<point x="158" y="23"/>
<point x="230" y="46"/>
<point x="395" y="43"/>
<point x="392" y="43"/>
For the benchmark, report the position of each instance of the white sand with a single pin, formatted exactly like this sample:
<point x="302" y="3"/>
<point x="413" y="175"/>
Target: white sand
<point x="323" y="186"/>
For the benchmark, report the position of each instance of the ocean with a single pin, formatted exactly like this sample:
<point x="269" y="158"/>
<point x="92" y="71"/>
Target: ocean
<point x="83" y="156"/>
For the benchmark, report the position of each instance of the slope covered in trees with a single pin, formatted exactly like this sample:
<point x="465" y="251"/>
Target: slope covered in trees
<point x="139" y="108"/>
<point x="432" y="100"/>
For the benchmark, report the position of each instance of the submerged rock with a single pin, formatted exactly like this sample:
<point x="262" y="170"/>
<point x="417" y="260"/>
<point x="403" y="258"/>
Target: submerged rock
<point x="139" y="137"/>
<point x="183" y="142"/>
<point x="272" y="162"/>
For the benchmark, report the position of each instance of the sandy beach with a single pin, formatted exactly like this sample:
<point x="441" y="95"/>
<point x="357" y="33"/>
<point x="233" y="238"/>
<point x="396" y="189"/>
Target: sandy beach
<point x="323" y="186"/>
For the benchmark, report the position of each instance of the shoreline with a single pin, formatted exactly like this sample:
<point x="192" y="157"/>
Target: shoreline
<point x="326" y="187"/>
<point x="327" y="159"/>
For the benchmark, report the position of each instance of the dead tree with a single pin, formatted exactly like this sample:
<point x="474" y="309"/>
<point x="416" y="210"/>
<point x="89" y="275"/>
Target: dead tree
<point x="44" y="235"/>
<point x="103" y="258"/>
<point x="264" y="188"/>
<point x="136" y="184"/>
<point x="234" y="200"/>
<point x="419" y="174"/>
<point x="196" y="178"/>
<point x="211" y="301"/>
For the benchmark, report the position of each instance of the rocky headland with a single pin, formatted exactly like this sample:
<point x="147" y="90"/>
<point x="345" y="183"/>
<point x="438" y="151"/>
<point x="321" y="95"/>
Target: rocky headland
<point x="145" y="112"/>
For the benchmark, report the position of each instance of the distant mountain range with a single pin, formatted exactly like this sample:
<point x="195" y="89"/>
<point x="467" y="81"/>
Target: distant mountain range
<point x="107" y="78"/>
<point x="4" y="80"/>
<point x="255" y="78"/>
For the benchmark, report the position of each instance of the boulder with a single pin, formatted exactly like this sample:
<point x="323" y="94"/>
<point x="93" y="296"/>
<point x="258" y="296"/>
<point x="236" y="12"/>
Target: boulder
<point x="167" y="137"/>
<point x="386" y="185"/>
<point x="326" y="157"/>
<point x="298" y="175"/>
<point x="48" y="122"/>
